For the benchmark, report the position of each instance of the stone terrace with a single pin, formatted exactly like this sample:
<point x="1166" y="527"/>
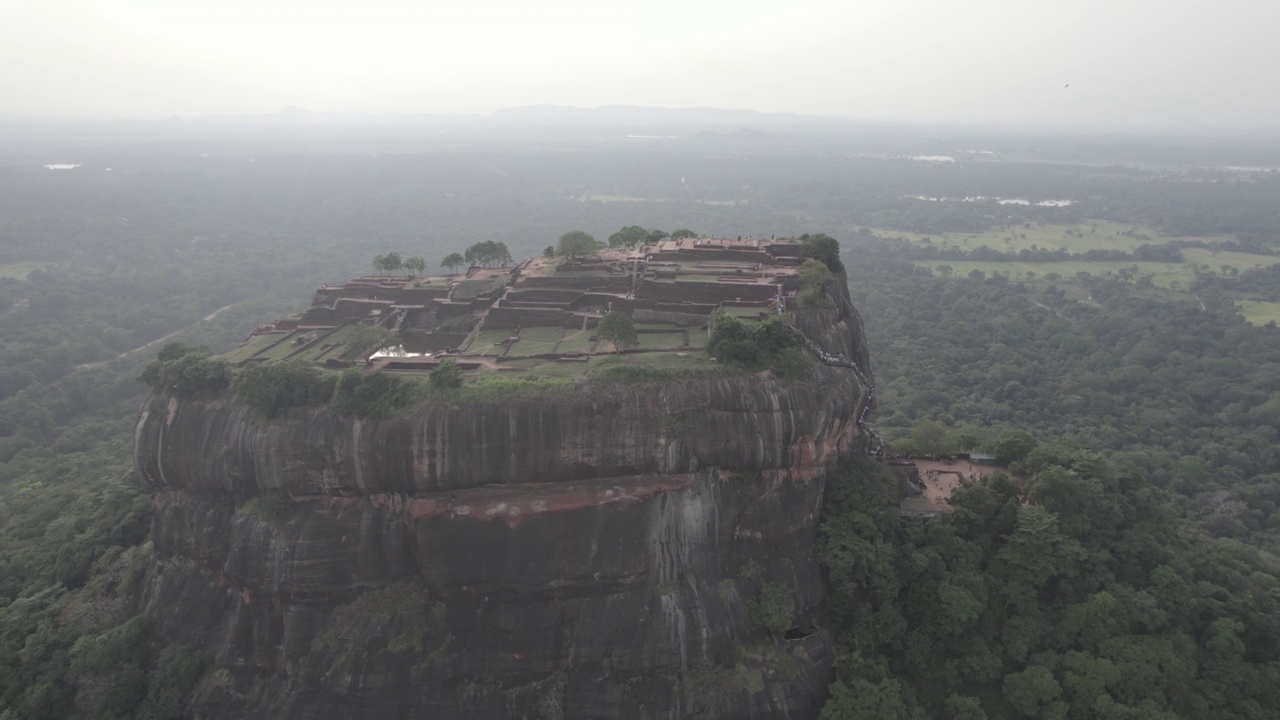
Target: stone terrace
<point x="544" y="309"/>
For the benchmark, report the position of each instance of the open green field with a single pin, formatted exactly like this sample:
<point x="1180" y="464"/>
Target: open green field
<point x="324" y="346"/>
<point x="660" y="341"/>
<point x="747" y="312"/>
<point x="683" y="360"/>
<point x="18" y="271"/>
<point x="257" y="344"/>
<point x="1238" y="260"/>
<point x="1259" y="313"/>
<point x="468" y="289"/>
<point x="526" y="347"/>
<point x="576" y="341"/>
<point x="545" y="368"/>
<point x="1164" y="275"/>
<point x="283" y="349"/>
<point x="486" y="342"/>
<point x="549" y="335"/>
<point x="1078" y="238"/>
<point x="439" y="281"/>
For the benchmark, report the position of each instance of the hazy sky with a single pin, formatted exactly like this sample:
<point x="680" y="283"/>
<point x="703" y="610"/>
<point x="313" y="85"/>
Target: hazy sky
<point x="1139" y="61"/>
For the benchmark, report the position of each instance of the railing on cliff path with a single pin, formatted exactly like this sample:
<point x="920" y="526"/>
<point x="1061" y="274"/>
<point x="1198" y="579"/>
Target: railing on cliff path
<point x="838" y="360"/>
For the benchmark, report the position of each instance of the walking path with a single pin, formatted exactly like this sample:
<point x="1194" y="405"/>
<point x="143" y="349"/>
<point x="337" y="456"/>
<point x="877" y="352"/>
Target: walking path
<point x="842" y="361"/>
<point x="158" y="340"/>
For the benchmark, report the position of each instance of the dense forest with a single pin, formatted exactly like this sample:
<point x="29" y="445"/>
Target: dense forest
<point x="1132" y="575"/>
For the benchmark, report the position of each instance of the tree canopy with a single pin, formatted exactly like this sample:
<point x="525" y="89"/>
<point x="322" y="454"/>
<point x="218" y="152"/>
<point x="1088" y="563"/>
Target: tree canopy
<point x="488" y="254"/>
<point x="576" y="243"/>
<point x="453" y="261"/>
<point x="821" y="247"/>
<point x="617" y="328"/>
<point x="628" y="237"/>
<point x="814" y="280"/>
<point x="186" y="372"/>
<point x="772" y="343"/>
<point x="390" y="262"/>
<point x="1078" y="595"/>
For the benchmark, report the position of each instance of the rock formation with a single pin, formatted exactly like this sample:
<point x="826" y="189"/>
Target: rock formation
<point x="615" y="554"/>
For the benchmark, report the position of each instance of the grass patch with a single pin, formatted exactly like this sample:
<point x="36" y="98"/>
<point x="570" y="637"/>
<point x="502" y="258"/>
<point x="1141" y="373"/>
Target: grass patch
<point x="550" y="335"/>
<point x="19" y="271"/>
<point x="524" y="348"/>
<point x="256" y="344"/>
<point x="665" y="327"/>
<point x="1238" y="260"/>
<point x="282" y="349"/>
<point x="1163" y="274"/>
<point x="578" y="341"/>
<point x="468" y="289"/>
<point x="548" y="368"/>
<point x="650" y="367"/>
<point x="327" y="345"/>
<point x="698" y="338"/>
<point x="1259" y="313"/>
<point x="747" y="312"/>
<point x="486" y="342"/>
<point x="496" y="388"/>
<point x="1083" y="237"/>
<point x="660" y="341"/>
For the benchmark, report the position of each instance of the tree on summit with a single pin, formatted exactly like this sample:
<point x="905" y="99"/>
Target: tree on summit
<point x="618" y="329"/>
<point x="821" y="247"/>
<point x="575" y="243"/>
<point x="453" y="261"/>
<point x="388" y="263"/>
<point x="628" y="237"/>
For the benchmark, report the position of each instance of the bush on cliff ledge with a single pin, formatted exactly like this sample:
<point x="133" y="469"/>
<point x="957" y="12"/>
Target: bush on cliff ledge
<point x="273" y="390"/>
<point x="186" y="372"/>
<point x="373" y="394"/>
<point x="772" y="344"/>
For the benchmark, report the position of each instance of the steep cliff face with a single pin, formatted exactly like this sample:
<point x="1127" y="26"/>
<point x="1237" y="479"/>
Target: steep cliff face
<point x="608" y="555"/>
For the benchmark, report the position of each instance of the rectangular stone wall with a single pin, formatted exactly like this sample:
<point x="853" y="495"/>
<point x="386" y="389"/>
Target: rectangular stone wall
<point x="645" y="315"/>
<point x="711" y="293"/>
<point x="512" y="318"/>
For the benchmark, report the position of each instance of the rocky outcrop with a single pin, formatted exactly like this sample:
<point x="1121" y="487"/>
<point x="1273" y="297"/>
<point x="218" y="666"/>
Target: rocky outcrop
<point x="615" y="554"/>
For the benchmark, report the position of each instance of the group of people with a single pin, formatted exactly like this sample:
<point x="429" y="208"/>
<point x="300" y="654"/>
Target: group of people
<point x="842" y="361"/>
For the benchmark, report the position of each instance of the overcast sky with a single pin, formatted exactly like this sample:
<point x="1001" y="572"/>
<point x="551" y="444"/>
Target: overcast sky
<point x="1127" y="62"/>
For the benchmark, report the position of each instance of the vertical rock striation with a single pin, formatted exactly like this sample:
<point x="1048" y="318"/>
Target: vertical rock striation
<point x="601" y="556"/>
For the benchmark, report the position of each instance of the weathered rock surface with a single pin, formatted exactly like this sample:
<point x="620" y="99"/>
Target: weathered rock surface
<point x="601" y="556"/>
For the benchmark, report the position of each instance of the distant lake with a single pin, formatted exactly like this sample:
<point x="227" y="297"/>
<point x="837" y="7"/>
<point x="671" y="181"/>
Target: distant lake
<point x="62" y="166"/>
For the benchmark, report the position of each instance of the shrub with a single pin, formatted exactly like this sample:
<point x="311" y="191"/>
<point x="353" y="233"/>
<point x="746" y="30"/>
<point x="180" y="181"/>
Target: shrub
<point x="814" y="280"/>
<point x="821" y="247"/>
<point x="272" y="390"/>
<point x="445" y="376"/>
<point x="186" y="372"/>
<point x="773" y="344"/>
<point x="618" y="329"/>
<point x="372" y="394"/>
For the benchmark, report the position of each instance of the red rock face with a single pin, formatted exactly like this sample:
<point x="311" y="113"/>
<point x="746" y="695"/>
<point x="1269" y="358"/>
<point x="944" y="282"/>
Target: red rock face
<point x="597" y="556"/>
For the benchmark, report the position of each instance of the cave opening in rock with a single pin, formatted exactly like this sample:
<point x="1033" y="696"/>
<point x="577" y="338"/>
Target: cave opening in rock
<point x="796" y="633"/>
